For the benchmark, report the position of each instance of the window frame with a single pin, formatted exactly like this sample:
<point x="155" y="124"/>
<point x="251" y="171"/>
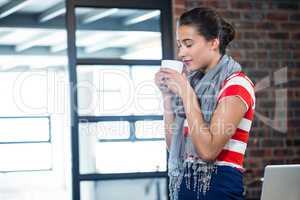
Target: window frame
<point x="166" y="28"/>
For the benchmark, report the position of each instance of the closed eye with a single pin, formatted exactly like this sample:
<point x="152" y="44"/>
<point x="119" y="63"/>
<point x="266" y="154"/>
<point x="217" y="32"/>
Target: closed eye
<point x="188" y="43"/>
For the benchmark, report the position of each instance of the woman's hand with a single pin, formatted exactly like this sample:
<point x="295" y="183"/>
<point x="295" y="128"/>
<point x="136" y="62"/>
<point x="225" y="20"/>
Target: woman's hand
<point x="175" y="82"/>
<point x="160" y="82"/>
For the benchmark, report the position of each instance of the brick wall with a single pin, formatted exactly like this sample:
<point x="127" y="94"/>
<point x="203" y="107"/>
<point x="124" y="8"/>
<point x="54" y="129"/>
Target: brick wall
<point x="268" y="47"/>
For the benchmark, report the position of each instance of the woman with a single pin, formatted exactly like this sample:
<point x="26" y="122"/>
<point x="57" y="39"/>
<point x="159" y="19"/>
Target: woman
<point x="208" y="111"/>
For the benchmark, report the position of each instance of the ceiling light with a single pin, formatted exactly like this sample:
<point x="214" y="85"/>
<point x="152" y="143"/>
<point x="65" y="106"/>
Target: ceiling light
<point x="12" y="7"/>
<point x="94" y="17"/>
<point x="142" y="18"/>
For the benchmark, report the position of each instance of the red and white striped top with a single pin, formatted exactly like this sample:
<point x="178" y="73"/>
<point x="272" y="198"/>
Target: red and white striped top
<point x="238" y="84"/>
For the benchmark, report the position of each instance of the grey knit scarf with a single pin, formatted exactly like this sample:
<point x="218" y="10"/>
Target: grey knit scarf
<point x="206" y="87"/>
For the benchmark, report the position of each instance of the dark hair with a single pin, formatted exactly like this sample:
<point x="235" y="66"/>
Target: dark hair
<point x="210" y="25"/>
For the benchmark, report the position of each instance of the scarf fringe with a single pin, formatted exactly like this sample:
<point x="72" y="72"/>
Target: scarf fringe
<point x="201" y="174"/>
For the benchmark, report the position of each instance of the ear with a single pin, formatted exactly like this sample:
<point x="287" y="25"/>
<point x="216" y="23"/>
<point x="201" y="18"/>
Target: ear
<point x="214" y="44"/>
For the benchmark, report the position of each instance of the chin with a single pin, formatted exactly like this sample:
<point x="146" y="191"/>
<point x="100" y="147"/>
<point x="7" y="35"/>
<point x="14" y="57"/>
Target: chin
<point x="193" y="68"/>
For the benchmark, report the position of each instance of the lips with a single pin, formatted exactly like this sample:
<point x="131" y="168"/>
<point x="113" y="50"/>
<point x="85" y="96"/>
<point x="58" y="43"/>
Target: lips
<point x="187" y="62"/>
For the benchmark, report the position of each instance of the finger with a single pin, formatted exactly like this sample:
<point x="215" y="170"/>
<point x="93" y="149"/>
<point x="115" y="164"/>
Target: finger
<point x="164" y="75"/>
<point x="168" y="70"/>
<point x="168" y="76"/>
<point x="159" y="76"/>
<point x="159" y="82"/>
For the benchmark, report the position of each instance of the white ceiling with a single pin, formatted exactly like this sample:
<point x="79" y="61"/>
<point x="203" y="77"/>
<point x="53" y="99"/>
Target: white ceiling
<point x="20" y="40"/>
<point x="38" y="6"/>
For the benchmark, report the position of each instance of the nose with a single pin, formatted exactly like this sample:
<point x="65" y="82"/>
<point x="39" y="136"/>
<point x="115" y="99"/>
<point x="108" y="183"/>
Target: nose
<point x="181" y="52"/>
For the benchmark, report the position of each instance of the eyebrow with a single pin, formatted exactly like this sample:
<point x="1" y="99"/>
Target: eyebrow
<point x="185" y="40"/>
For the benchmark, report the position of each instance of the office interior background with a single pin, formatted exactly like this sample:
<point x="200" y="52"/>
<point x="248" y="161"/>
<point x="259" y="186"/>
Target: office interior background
<point x="81" y="117"/>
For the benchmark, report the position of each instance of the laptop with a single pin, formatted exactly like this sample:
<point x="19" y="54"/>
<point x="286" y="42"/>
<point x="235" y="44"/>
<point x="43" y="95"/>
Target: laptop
<point x="281" y="182"/>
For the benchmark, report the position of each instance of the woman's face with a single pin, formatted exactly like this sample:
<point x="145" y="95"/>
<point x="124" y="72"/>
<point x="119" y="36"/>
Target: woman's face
<point x="193" y="49"/>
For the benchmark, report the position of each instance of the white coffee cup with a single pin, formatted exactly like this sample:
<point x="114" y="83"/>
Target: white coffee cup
<point x="172" y="64"/>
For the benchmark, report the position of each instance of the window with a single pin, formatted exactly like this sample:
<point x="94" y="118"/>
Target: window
<point x="34" y="118"/>
<point x="25" y="144"/>
<point x="113" y="91"/>
<point x="123" y="95"/>
<point x="118" y="90"/>
<point x="119" y="45"/>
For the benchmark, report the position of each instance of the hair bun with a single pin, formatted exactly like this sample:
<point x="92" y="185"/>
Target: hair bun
<point x="227" y="32"/>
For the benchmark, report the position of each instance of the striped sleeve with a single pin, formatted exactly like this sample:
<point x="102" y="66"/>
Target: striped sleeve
<point x="239" y="86"/>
